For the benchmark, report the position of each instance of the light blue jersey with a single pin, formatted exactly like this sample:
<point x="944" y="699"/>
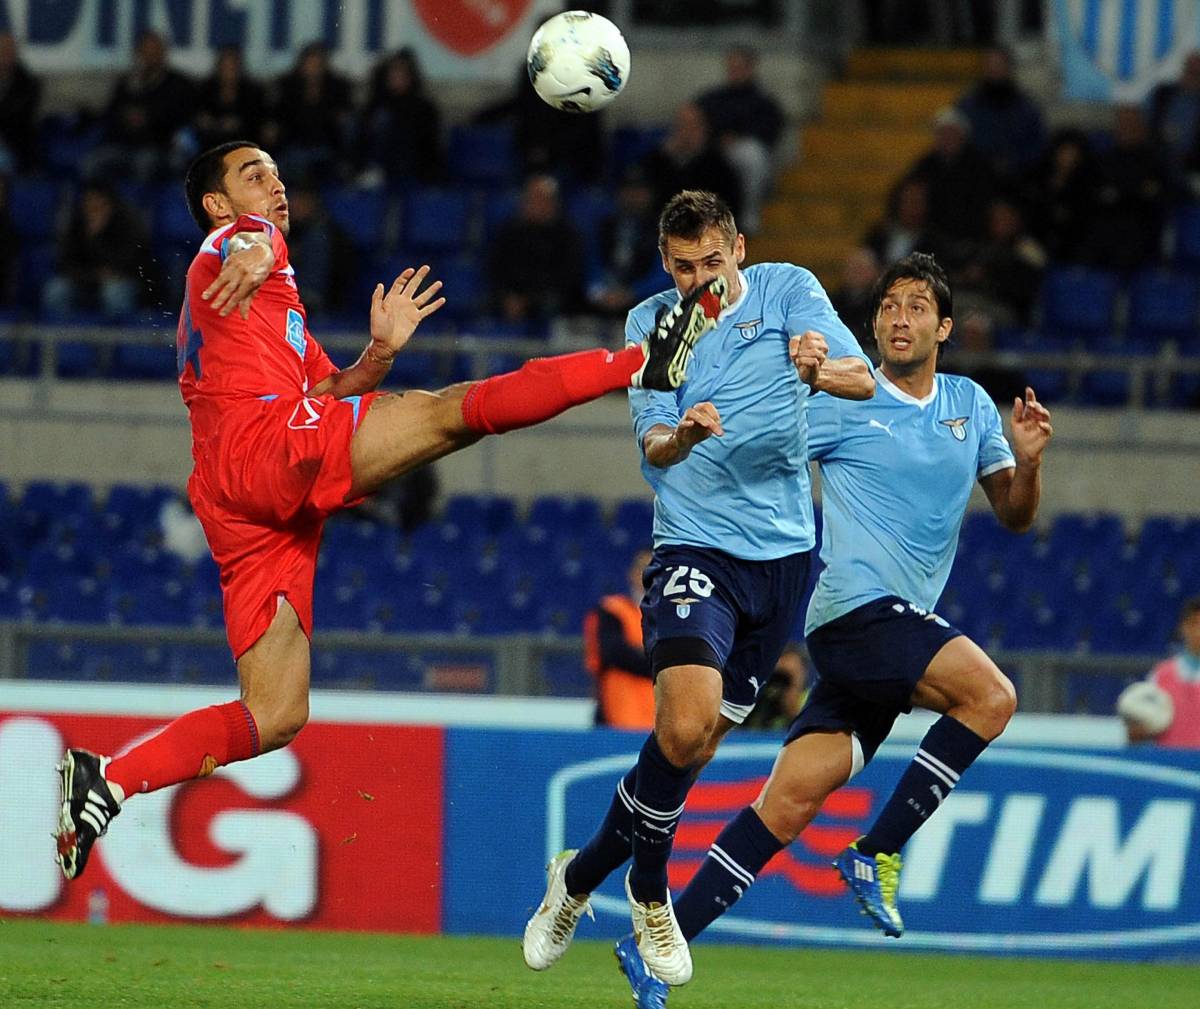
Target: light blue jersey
<point x="896" y="473"/>
<point x="747" y="493"/>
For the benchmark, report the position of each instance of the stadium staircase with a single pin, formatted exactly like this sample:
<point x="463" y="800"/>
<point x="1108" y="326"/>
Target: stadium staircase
<point x="874" y="123"/>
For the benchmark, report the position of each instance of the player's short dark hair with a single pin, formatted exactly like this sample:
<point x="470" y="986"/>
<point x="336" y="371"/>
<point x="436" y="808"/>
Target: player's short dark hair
<point x="691" y="213"/>
<point x="206" y="174"/>
<point x="920" y="266"/>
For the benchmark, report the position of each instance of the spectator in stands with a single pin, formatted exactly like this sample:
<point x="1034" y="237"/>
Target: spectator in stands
<point x="310" y="118"/>
<point x="102" y="260"/>
<point x="1061" y="194"/>
<point x="1005" y="123"/>
<point x="549" y="141"/>
<point x="10" y="248"/>
<point x="1179" y="677"/>
<point x="229" y="105"/>
<point x="958" y="179"/>
<point x="149" y="105"/>
<point x="1133" y="192"/>
<point x="630" y="265"/>
<point x="746" y="123"/>
<point x="535" y="262"/>
<point x="687" y="159"/>
<point x="1001" y="278"/>
<point x="613" y="654"/>
<point x="20" y="93"/>
<point x="783" y="696"/>
<point x="401" y="125"/>
<point x="320" y="251"/>
<point x="1175" y="118"/>
<point x="905" y="226"/>
<point x="853" y="297"/>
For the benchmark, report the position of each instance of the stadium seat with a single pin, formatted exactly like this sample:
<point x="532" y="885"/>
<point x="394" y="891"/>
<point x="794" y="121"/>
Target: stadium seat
<point x="1163" y="306"/>
<point x="437" y="220"/>
<point x="1079" y="302"/>
<point x="636" y="517"/>
<point x="172" y="220"/>
<point x="498" y="207"/>
<point x="34" y="205"/>
<point x="483" y="155"/>
<point x="572" y="517"/>
<point x="464" y="286"/>
<point x="480" y="513"/>
<point x="1187" y="236"/>
<point x="632" y="143"/>
<point x="195" y="663"/>
<point x="365" y="214"/>
<point x="145" y="361"/>
<point x="47" y="659"/>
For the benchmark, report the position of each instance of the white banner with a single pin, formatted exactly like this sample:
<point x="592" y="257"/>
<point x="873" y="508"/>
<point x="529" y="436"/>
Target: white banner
<point x="1118" y="50"/>
<point x="453" y="39"/>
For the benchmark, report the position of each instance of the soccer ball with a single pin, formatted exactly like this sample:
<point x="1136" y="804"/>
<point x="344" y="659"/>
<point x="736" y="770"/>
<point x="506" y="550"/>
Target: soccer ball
<point x="578" y="61"/>
<point x="1147" y="705"/>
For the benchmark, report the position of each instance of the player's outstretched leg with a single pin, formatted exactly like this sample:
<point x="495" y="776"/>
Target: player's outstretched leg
<point x="670" y="345"/>
<point x="88" y="807"/>
<point x="659" y="939"/>
<point x="873" y="879"/>
<point x="647" y="990"/>
<point x="550" y="931"/>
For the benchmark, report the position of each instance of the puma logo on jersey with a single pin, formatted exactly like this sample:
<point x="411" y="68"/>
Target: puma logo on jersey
<point x="882" y="427"/>
<point x="958" y="427"/>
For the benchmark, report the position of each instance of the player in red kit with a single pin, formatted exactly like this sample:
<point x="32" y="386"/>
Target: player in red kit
<point x="281" y="439"/>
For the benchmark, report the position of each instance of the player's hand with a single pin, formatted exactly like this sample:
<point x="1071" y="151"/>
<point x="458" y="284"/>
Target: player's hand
<point x="396" y="314"/>
<point x="242" y="274"/>
<point x="1030" y="428"/>
<point x="699" y="423"/>
<point x="808" y="352"/>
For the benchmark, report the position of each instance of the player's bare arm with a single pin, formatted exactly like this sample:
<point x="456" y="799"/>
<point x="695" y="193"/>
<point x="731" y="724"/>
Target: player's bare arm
<point x="244" y="271"/>
<point x="395" y="316"/>
<point x="845" y="377"/>
<point x="665" y="446"/>
<point x="1014" y="493"/>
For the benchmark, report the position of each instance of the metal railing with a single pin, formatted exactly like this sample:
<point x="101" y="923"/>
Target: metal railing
<point x="515" y="664"/>
<point x="1148" y="375"/>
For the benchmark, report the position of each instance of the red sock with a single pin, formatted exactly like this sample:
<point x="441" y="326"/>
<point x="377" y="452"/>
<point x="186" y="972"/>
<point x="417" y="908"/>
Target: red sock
<point x="192" y="746"/>
<point x="545" y="387"/>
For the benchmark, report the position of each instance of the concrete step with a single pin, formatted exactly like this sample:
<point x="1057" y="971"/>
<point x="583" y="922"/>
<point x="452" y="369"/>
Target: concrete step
<point x="895" y="103"/>
<point x="820" y="214"/>
<point x="838" y="147"/>
<point x="914" y="64"/>
<point x="852" y="183"/>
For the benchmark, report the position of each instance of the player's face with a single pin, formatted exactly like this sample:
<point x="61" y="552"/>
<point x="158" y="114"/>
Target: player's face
<point x="694" y="262"/>
<point x="907" y="327"/>
<point x="253" y="186"/>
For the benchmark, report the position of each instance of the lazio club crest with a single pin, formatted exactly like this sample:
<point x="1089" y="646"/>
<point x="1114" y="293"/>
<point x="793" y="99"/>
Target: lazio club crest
<point x="958" y="427"/>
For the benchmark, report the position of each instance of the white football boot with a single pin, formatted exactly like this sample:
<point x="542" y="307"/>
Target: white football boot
<point x="550" y="931"/>
<point x="659" y="939"/>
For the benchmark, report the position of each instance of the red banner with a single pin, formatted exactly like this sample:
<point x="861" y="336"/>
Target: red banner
<point x="342" y="829"/>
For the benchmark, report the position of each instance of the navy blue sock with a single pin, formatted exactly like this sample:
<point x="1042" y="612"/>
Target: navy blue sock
<point x="657" y="805"/>
<point x="947" y="750"/>
<point x="610" y="846"/>
<point x="735" y="859"/>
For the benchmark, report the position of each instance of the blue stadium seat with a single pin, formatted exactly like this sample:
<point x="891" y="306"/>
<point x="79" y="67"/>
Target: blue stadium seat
<point x="172" y="220"/>
<point x="36" y="264"/>
<point x="437" y="220"/>
<point x="635" y="516"/>
<point x="565" y="516"/>
<point x="365" y="214"/>
<point x="1164" y="306"/>
<point x="54" y="660"/>
<point x="200" y="664"/>
<point x="1187" y="236"/>
<point x="338" y="606"/>
<point x="632" y="143"/>
<point x="1079" y="302"/>
<point x="153" y="600"/>
<point x="463" y="285"/>
<point x="144" y="361"/>
<point x="480" y="513"/>
<point x="34" y="205"/>
<point x="565" y="676"/>
<point x="1093" y="693"/>
<point x="498" y="207"/>
<point x="483" y="155"/>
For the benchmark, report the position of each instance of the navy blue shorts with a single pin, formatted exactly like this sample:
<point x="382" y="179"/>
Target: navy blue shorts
<point x="868" y="663"/>
<point x="704" y="607"/>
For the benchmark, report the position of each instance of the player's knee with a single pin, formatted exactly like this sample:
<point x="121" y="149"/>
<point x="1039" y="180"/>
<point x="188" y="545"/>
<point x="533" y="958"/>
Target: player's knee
<point x="279" y="724"/>
<point x="997" y="704"/>
<point x="786" y="815"/>
<point x="683" y="740"/>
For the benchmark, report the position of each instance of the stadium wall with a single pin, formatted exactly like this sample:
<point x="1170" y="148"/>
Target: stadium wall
<point x="1058" y="844"/>
<point x="1129" y="462"/>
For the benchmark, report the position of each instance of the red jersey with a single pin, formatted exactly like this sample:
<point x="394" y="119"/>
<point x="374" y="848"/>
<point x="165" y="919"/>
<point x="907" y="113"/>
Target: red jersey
<point x="224" y="361"/>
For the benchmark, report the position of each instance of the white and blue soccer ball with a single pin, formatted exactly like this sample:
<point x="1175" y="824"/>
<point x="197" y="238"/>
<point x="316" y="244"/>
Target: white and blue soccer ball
<point x="578" y="61"/>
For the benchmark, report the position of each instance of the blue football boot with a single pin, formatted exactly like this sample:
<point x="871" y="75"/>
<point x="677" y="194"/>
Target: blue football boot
<point x="873" y="879"/>
<point x="648" y="991"/>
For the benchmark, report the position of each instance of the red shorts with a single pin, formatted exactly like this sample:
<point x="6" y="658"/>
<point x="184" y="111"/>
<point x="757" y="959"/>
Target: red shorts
<point x="269" y="477"/>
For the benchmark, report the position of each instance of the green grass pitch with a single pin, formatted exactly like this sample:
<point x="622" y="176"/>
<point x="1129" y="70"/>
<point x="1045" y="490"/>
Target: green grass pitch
<point x="48" y="965"/>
